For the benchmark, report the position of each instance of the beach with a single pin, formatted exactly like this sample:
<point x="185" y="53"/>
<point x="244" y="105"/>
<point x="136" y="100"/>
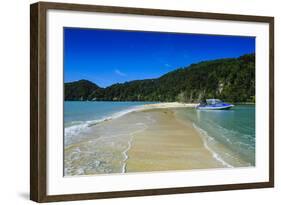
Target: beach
<point x="168" y="145"/>
<point x="150" y="137"/>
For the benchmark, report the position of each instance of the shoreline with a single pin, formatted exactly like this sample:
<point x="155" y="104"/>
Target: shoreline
<point x="119" y="114"/>
<point x="169" y="145"/>
<point x="149" y="138"/>
<point x="76" y="128"/>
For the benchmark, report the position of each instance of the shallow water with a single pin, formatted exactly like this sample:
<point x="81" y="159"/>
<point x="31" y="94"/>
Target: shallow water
<point x="80" y="115"/>
<point x="102" y="148"/>
<point x="96" y="144"/>
<point x="234" y="129"/>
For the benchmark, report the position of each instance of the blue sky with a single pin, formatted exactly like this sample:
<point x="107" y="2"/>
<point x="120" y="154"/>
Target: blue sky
<point x="106" y="57"/>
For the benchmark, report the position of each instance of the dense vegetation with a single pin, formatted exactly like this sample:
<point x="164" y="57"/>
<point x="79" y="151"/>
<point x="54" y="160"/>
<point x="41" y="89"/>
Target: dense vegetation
<point x="79" y="90"/>
<point x="231" y="79"/>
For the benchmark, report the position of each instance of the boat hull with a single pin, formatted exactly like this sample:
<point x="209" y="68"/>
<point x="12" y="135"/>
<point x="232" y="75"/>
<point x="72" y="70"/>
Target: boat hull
<point x="227" y="107"/>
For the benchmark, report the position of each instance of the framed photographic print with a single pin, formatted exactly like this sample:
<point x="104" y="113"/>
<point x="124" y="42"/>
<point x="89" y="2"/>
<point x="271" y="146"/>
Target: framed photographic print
<point x="134" y="102"/>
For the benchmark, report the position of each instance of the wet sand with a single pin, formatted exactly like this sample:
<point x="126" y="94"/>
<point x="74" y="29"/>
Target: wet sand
<point x="147" y="140"/>
<point x="168" y="144"/>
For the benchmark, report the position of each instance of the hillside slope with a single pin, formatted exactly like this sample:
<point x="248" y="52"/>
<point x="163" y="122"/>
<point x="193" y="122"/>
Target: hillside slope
<point x="231" y="79"/>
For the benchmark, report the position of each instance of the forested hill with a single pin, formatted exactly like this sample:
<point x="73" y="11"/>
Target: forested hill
<point x="79" y="90"/>
<point x="231" y="79"/>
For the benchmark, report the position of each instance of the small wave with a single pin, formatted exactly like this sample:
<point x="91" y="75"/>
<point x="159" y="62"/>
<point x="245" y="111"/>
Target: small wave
<point x="125" y="152"/>
<point x="228" y="135"/>
<point x="207" y="138"/>
<point x="76" y="127"/>
<point x="71" y="132"/>
<point x="73" y="123"/>
<point x="234" y="140"/>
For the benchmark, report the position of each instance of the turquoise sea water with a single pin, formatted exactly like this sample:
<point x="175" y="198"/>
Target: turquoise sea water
<point x="79" y="115"/>
<point x="76" y="112"/>
<point x="93" y="143"/>
<point x="234" y="129"/>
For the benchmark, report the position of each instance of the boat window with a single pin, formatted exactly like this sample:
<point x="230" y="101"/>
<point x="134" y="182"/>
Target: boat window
<point x="213" y="101"/>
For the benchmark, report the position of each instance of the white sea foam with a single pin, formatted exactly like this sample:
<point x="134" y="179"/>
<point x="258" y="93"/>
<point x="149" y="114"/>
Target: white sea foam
<point x="125" y="152"/>
<point x="71" y="132"/>
<point x="79" y="130"/>
<point x="74" y="130"/>
<point x="225" y="133"/>
<point x="207" y="138"/>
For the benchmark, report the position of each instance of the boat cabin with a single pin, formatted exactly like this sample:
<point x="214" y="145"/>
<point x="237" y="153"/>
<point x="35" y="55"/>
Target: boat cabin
<point x="213" y="101"/>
